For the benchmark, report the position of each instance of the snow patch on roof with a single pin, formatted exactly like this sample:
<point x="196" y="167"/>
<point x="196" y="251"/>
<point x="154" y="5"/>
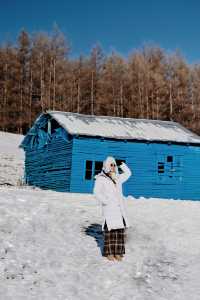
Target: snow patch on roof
<point x="123" y="128"/>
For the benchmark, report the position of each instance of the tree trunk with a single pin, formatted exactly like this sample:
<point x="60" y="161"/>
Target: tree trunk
<point x="5" y="99"/>
<point x="41" y="83"/>
<point x="170" y="100"/>
<point x="92" y="93"/>
<point x="121" y="100"/>
<point x="54" y="83"/>
<point x="30" y="98"/>
<point x="78" y="97"/>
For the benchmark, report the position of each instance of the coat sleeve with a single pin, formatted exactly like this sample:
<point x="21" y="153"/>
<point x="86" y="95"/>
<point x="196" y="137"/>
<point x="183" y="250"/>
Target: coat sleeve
<point x="126" y="173"/>
<point x="99" y="193"/>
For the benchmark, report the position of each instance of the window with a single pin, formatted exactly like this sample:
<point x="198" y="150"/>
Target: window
<point x="169" y="158"/>
<point x="90" y="173"/>
<point x="98" y="167"/>
<point x="161" y="167"/>
<point x="168" y="168"/>
<point x="88" y="170"/>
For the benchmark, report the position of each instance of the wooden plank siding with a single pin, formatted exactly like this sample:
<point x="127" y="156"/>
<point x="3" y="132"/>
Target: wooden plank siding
<point x="180" y="179"/>
<point x="50" y="166"/>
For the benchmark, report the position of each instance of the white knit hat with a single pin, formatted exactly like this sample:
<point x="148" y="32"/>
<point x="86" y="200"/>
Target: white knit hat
<point x="106" y="165"/>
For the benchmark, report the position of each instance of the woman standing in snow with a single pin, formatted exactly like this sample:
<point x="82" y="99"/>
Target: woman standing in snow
<point x="108" y="192"/>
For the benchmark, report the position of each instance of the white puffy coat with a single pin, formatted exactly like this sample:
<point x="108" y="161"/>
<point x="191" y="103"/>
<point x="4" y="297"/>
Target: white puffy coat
<point x="110" y="197"/>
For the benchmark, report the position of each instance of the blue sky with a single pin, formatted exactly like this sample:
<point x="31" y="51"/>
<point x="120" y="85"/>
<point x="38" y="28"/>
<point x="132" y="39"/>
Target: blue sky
<point x="115" y="24"/>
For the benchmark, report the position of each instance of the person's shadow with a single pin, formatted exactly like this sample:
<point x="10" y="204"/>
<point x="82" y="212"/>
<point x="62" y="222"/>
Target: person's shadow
<point x="95" y="230"/>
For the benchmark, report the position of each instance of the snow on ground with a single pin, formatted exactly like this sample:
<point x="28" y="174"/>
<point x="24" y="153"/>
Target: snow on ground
<point x="51" y="248"/>
<point x="11" y="158"/>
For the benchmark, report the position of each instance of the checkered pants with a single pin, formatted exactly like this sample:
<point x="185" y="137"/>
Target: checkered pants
<point x="114" y="241"/>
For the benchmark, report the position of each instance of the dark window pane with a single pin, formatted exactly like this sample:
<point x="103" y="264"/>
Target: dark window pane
<point x="89" y="164"/>
<point x="98" y="165"/>
<point x="160" y="167"/>
<point x="88" y="174"/>
<point x="88" y="169"/>
<point x="169" y="158"/>
<point x="96" y="172"/>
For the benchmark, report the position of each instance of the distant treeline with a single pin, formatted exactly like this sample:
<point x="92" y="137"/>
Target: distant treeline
<point x="37" y="73"/>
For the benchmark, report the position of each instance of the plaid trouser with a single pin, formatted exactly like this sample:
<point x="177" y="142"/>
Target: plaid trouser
<point x="114" y="242"/>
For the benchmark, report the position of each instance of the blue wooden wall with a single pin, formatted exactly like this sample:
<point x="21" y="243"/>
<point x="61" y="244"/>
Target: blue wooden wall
<point x="153" y="175"/>
<point x="50" y="166"/>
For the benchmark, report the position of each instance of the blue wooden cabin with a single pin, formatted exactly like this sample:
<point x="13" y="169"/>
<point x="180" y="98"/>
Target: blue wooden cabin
<point x="64" y="150"/>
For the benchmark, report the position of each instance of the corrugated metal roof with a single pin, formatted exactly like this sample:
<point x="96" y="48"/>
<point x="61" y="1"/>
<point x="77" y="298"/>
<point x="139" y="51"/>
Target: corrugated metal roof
<point x="123" y="128"/>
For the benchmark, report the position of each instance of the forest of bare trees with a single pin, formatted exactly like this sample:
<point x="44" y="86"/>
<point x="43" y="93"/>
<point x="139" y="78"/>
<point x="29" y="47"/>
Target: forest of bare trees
<point x="37" y="74"/>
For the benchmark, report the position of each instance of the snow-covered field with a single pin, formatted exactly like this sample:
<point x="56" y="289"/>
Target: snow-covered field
<point x="51" y="245"/>
<point x="11" y="158"/>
